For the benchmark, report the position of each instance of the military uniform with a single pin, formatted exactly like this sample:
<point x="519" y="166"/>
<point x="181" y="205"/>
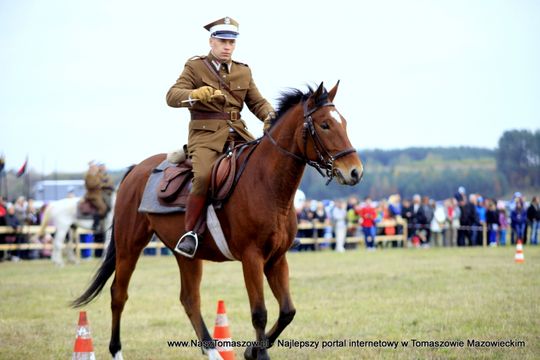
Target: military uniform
<point x="215" y="90"/>
<point x="92" y="181"/>
<point x="208" y="133"/>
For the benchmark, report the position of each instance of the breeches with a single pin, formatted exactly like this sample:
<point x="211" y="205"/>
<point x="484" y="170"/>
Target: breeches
<point x="203" y="160"/>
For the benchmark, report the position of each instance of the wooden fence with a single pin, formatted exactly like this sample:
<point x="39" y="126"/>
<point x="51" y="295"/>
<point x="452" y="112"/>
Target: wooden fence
<point x="315" y="240"/>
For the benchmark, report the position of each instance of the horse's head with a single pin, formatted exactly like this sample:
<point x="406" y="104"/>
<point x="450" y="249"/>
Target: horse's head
<point x="322" y="140"/>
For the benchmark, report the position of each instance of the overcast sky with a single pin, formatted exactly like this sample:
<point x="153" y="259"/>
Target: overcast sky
<point x="83" y="80"/>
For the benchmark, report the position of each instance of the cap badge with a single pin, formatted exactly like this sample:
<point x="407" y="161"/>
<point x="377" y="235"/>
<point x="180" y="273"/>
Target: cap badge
<point x="227" y="20"/>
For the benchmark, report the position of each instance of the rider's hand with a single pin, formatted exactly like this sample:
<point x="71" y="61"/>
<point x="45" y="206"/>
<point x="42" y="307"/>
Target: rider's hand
<point x="268" y="120"/>
<point x="204" y="94"/>
<point x="218" y="97"/>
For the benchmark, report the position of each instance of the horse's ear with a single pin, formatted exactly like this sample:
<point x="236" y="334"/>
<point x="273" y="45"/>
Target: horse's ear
<point x="318" y="92"/>
<point x="333" y="92"/>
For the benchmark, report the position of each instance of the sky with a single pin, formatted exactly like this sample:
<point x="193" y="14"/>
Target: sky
<point x="86" y="80"/>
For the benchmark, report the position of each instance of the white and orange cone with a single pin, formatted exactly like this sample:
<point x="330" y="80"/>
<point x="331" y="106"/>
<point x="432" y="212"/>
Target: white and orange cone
<point x="519" y="258"/>
<point x="222" y="333"/>
<point x="83" y="349"/>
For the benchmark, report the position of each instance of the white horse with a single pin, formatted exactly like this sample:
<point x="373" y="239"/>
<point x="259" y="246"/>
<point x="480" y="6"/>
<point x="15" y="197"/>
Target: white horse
<point x="63" y="215"/>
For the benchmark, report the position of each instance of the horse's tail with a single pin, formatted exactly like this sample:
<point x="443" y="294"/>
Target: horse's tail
<point x="107" y="268"/>
<point x="100" y="278"/>
<point x="45" y="221"/>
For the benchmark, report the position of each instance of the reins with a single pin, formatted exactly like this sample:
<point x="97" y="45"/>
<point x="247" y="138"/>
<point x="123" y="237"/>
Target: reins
<point x="325" y="160"/>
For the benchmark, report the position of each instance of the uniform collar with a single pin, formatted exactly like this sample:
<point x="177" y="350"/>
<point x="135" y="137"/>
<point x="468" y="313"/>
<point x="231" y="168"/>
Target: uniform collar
<point x="216" y="63"/>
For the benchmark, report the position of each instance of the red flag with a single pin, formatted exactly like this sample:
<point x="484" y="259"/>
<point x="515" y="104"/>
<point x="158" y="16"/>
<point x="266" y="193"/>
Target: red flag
<point x="22" y="170"/>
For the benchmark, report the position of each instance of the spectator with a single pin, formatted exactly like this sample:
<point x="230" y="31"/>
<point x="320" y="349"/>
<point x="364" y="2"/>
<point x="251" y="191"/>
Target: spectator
<point x="31" y="216"/>
<point x="424" y="215"/>
<point x="393" y="214"/>
<point x="533" y="216"/>
<point x="492" y="222"/>
<point x="352" y="218"/>
<point x="305" y="219"/>
<point x="476" y="227"/>
<point x="13" y="221"/>
<point x="503" y="223"/>
<point x="437" y="225"/>
<point x="321" y="221"/>
<point x="407" y="214"/>
<point x="339" y="217"/>
<point x="20" y="209"/>
<point x="368" y="214"/>
<point x="468" y="219"/>
<point x="453" y="214"/>
<point x="481" y="210"/>
<point x="518" y="220"/>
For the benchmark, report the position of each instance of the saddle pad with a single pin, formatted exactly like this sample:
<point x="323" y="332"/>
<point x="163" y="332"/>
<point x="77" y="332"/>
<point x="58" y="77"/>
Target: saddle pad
<point x="149" y="202"/>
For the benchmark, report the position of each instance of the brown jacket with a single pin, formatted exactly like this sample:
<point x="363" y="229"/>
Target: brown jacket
<point x="92" y="181"/>
<point x="213" y="133"/>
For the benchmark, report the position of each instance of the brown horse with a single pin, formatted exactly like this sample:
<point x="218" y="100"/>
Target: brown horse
<point x="258" y="219"/>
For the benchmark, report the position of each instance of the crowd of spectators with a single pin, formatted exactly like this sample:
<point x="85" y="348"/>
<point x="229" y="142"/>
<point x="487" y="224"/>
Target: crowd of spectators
<point x="14" y="216"/>
<point x="461" y="220"/>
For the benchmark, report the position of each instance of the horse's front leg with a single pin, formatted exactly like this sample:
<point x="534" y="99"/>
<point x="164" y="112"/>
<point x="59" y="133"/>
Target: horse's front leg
<point x="190" y="297"/>
<point x="252" y="265"/>
<point x="277" y="274"/>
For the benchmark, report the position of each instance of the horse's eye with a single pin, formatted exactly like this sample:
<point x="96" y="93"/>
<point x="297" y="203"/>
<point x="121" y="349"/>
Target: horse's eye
<point x="325" y="125"/>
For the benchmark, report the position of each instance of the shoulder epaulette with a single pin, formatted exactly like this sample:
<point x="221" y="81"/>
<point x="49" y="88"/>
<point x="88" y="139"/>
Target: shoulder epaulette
<point x="197" y="57"/>
<point x="240" y="63"/>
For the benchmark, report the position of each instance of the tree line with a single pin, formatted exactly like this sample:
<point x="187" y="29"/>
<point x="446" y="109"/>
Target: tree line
<point x="437" y="172"/>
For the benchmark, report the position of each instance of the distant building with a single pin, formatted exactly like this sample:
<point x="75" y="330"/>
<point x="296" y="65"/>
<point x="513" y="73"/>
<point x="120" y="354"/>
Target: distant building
<point x="50" y="190"/>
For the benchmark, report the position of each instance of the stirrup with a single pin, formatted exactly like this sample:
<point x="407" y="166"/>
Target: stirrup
<point x="180" y="251"/>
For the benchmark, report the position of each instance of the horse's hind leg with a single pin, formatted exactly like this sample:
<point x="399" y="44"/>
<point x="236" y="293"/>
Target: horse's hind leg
<point x="190" y="297"/>
<point x="126" y="259"/>
<point x="278" y="279"/>
<point x="252" y="266"/>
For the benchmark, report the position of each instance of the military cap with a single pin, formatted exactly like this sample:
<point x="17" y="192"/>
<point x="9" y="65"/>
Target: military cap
<point x="225" y="28"/>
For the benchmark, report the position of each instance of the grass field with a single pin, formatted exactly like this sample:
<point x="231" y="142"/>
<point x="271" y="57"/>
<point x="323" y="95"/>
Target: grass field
<point x="392" y="295"/>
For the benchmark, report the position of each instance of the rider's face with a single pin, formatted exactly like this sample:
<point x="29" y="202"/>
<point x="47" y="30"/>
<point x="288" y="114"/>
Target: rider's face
<point x="223" y="48"/>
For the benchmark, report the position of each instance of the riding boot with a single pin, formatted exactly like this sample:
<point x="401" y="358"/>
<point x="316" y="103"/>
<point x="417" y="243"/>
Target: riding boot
<point x="188" y="243"/>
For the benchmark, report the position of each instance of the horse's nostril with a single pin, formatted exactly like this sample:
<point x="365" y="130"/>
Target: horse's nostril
<point x="354" y="174"/>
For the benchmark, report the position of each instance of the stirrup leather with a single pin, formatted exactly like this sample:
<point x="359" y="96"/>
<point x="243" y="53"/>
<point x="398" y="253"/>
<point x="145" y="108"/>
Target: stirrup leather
<point x="179" y="251"/>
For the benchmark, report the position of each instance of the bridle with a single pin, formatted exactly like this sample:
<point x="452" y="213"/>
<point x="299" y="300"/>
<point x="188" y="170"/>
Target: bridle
<point x="325" y="160"/>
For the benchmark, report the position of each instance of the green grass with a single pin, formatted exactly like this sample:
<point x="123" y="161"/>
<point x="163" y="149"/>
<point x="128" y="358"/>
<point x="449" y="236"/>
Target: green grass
<point x="394" y="294"/>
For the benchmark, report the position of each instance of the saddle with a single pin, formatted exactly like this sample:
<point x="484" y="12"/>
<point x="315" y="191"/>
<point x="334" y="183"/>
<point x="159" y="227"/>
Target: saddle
<point x="85" y="209"/>
<point x="175" y="185"/>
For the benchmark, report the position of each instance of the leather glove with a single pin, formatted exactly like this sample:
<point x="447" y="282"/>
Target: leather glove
<point x="268" y="120"/>
<point x="204" y="94"/>
<point x="219" y="97"/>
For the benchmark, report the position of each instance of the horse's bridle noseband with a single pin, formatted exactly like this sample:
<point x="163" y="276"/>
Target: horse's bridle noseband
<point x="325" y="160"/>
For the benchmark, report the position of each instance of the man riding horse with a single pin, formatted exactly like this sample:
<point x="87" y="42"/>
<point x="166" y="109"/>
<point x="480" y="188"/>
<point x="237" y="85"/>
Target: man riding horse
<point x="99" y="188"/>
<point x="215" y="88"/>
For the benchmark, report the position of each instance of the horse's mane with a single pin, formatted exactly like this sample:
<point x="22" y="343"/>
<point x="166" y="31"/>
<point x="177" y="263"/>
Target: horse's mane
<point x="291" y="97"/>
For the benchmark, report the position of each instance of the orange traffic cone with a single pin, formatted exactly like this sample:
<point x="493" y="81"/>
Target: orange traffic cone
<point x="519" y="258"/>
<point x="222" y="334"/>
<point x="83" y="349"/>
